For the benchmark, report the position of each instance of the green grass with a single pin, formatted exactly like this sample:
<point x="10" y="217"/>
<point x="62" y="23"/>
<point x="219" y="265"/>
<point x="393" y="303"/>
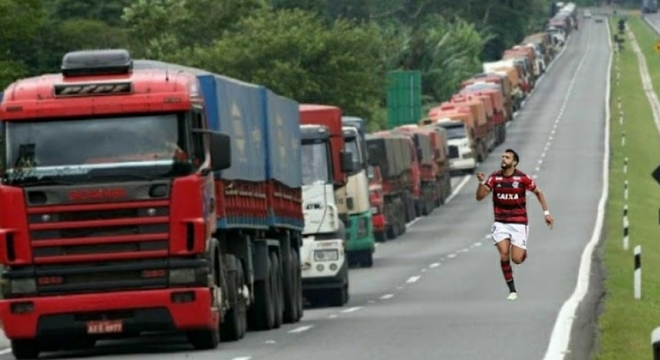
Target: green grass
<point x="626" y="324"/>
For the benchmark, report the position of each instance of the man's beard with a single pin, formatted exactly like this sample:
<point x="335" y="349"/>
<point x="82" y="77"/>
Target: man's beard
<point x="505" y="166"/>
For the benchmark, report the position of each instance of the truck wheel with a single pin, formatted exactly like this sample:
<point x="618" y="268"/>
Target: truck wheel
<point x="292" y="291"/>
<point x="368" y="259"/>
<point x="380" y="236"/>
<point x="278" y="290"/>
<point x="391" y="231"/>
<point x="24" y="349"/>
<point x="232" y="326"/>
<point x="262" y="311"/>
<point x="340" y="296"/>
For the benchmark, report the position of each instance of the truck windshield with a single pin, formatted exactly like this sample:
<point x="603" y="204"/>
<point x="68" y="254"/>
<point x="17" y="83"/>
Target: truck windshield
<point x="455" y="131"/>
<point x="352" y="146"/>
<point x="315" y="164"/>
<point x="87" y="149"/>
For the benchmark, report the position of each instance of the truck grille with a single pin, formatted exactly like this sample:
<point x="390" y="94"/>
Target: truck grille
<point x="99" y="232"/>
<point x="453" y="151"/>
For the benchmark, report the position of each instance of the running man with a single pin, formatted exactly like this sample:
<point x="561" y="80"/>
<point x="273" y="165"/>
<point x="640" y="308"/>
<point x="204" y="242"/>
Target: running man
<point x="510" y="229"/>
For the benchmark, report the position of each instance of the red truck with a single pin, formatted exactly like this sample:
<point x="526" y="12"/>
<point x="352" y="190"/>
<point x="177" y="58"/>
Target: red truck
<point x="392" y="154"/>
<point x="435" y="176"/>
<point x="146" y="199"/>
<point x="498" y="113"/>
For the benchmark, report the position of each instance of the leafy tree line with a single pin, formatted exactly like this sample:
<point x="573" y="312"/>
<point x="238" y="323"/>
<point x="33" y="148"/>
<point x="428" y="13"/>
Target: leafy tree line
<point x="324" y="51"/>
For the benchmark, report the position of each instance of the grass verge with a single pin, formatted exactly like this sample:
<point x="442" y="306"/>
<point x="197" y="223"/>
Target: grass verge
<point x="626" y="324"/>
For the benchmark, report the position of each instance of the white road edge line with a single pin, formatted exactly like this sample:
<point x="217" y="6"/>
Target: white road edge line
<point x="561" y="332"/>
<point x="387" y="296"/>
<point x="242" y="358"/>
<point x="460" y="185"/>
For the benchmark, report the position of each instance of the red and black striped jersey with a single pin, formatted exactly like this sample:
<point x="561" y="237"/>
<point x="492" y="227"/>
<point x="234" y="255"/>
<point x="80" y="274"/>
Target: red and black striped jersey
<point x="509" y="196"/>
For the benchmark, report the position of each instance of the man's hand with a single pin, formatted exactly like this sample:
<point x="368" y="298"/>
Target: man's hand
<point x="549" y="221"/>
<point x="481" y="177"/>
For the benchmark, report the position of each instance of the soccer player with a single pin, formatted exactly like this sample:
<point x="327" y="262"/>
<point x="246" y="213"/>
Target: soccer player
<point x="509" y="186"/>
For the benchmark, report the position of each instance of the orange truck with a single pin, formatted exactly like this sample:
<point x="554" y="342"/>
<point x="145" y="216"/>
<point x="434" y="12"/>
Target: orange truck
<point x="458" y="124"/>
<point x="499" y="113"/>
<point x="483" y="126"/>
<point x="495" y="81"/>
<point x="514" y="73"/>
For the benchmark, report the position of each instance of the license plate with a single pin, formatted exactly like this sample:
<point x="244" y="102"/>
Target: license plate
<point x="105" y="327"/>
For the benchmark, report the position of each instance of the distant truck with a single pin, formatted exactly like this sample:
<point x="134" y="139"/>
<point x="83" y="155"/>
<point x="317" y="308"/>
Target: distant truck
<point x="435" y="176"/>
<point x="361" y="244"/>
<point x="390" y="152"/>
<point x="325" y="166"/>
<point x="161" y="207"/>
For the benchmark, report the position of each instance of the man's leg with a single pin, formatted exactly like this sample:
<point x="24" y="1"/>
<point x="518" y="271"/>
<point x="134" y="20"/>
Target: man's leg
<point x="504" y="247"/>
<point x="519" y="244"/>
<point x="518" y="255"/>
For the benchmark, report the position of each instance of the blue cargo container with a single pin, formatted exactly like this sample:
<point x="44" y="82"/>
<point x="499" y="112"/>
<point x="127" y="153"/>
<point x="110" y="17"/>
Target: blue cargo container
<point x="282" y="126"/>
<point x="235" y="108"/>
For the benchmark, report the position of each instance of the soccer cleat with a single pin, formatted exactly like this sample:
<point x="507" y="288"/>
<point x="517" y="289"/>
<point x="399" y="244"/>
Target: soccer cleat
<point x="512" y="296"/>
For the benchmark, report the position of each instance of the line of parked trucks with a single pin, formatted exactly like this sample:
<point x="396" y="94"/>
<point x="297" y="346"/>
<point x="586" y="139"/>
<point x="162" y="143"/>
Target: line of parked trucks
<point x="140" y="196"/>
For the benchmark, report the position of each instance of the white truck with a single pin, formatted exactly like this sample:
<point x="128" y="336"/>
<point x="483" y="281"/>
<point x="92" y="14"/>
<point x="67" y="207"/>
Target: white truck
<point x="323" y="253"/>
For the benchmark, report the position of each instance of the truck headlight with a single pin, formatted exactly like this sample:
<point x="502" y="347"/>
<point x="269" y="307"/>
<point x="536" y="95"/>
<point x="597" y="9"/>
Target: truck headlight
<point x="23" y="286"/>
<point x="326" y="255"/>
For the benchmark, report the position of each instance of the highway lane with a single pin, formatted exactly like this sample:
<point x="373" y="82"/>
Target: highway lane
<point x="437" y="291"/>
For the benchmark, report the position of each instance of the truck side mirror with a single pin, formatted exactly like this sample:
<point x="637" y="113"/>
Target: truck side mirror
<point x="220" y="146"/>
<point x="346" y="162"/>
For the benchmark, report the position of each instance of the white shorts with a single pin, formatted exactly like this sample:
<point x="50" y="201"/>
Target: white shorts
<point x="517" y="233"/>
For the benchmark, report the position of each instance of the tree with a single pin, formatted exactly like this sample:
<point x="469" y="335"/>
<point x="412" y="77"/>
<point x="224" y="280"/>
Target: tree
<point x="297" y="55"/>
<point x="20" y="21"/>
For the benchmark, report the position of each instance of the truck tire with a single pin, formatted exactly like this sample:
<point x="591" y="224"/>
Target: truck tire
<point x="234" y="322"/>
<point x="367" y="260"/>
<point x="278" y="289"/>
<point x="262" y="311"/>
<point x="25" y="349"/>
<point x="340" y="296"/>
<point x="292" y="290"/>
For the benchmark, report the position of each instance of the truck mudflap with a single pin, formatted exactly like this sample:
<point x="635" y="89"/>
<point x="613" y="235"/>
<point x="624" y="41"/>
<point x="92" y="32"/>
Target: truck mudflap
<point x="119" y="314"/>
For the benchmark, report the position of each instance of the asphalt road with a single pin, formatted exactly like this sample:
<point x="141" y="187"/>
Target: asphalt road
<point x="437" y="292"/>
